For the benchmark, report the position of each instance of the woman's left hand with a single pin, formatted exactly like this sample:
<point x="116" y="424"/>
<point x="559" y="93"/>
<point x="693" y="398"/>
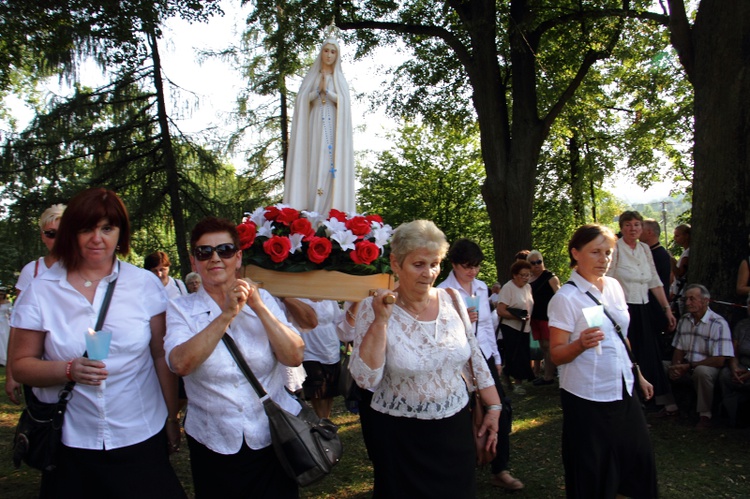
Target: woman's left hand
<point x="646" y="387"/>
<point x="670" y="319"/>
<point x="490" y="424"/>
<point x="173" y="435"/>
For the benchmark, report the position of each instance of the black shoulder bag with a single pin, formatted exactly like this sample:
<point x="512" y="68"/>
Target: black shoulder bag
<point x="307" y="446"/>
<point x="39" y="429"/>
<point x="636" y="368"/>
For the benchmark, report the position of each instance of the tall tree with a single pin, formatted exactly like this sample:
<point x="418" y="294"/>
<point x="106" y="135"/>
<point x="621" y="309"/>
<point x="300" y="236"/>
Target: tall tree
<point x="713" y="50"/>
<point x="519" y="64"/>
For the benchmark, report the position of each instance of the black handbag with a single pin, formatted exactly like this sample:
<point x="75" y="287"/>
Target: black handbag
<point x="39" y="429"/>
<point x="307" y="446"/>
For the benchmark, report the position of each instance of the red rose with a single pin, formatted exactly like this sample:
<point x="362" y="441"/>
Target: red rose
<point x="246" y="232"/>
<point x="359" y="226"/>
<point x="287" y="216"/>
<point x="365" y="252"/>
<point x="271" y="213"/>
<point x="339" y="215"/>
<point x="277" y="247"/>
<point x="302" y="226"/>
<point x="319" y="249"/>
<point x="374" y="218"/>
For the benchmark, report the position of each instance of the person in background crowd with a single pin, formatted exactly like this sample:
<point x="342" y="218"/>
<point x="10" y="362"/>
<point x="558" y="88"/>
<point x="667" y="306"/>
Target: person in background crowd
<point x="466" y="258"/>
<point x="322" y="360"/>
<point x="680" y="270"/>
<point x="633" y="267"/>
<point x="193" y="282"/>
<point x="663" y="263"/>
<point x="231" y="455"/>
<point x="158" y="263"/>
<point x="735" y="377"/>
<point x="606" y="448"/>
<point x="544" y="284"/>
<point x="412" y="354"/>
<point x="5" y="308"/>
<point x="495" y="295"/>
<point x="514" y="309"/>
<point x="48" y="223"/>
<point x="743" y="282"/>
<point x="702" y="346"/>
<point x="116" y="436"/>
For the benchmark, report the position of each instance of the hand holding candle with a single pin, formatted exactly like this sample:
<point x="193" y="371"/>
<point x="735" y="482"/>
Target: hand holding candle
<point x="472" y="302"/>
<point x="97" y="344"/>
<point x="594" y="317"/>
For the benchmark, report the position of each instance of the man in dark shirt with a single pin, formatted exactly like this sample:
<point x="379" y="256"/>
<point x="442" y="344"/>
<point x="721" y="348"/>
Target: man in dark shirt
<point x="662" y="261"/>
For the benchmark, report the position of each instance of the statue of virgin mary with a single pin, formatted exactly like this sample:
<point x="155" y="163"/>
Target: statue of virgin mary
<point x="320" y="163"/>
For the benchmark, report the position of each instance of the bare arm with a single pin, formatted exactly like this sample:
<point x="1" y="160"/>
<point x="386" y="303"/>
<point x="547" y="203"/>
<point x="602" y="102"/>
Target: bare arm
<point x="303" y="314"/>
<point x="167" y="379"/>
<point x="562" y="351"/>
<point x="661" y="297"/>
<point x="743" y="275"/>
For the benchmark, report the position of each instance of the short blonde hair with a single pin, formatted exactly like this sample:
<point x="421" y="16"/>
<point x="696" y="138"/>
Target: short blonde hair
<point x="54" y="212"/>
<point x="418" y="234"/>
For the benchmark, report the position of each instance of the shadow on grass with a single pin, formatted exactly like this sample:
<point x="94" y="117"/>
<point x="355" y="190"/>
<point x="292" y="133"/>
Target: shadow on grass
<point x="711" y="463"/>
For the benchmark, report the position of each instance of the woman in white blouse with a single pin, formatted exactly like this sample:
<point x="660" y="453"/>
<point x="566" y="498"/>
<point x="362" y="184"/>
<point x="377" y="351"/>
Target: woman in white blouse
<point x="227" y="430"/>
<point x="412" y="354"/>
<point x="606" y="447"/>
<point x="633" y="267"/>
<point x="122" y="413"/>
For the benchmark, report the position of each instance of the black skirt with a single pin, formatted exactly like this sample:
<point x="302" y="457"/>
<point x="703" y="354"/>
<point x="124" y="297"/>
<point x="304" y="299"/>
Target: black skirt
<point x="517" y="353"/>
<point x="417" y="458"/>
<point x="606" y="448"/>
<point x="644" y="341"/>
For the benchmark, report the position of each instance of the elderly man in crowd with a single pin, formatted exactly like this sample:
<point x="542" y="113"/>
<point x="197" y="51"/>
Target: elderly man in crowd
<point x="703" y="343"/>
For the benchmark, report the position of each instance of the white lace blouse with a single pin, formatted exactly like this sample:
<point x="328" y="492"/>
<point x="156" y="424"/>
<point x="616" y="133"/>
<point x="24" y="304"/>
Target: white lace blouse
<point x="424" y="360"/>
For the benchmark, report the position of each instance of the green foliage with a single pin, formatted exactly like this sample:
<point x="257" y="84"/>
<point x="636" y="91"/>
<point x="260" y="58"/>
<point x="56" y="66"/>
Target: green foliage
<point x="432" y="173"/>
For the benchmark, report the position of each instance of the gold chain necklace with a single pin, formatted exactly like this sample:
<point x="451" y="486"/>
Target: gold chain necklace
<point x="415" y="314"/>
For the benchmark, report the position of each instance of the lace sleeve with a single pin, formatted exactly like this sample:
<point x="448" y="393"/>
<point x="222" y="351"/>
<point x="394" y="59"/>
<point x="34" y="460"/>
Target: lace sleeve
<point x="365" y="376"/>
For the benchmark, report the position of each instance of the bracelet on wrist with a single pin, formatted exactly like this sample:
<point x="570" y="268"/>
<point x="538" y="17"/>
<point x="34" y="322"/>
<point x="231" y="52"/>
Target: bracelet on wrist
<point x="67" y="370"/>
<point x="493" y="407"/>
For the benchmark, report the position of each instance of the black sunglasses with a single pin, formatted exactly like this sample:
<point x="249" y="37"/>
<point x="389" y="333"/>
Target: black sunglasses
<point x="205" y="252"/>
<point x="536" y="262"/>
<point x="50" y="233"/>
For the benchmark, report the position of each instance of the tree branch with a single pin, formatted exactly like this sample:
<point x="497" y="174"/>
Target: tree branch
<point x="680" y="34"/>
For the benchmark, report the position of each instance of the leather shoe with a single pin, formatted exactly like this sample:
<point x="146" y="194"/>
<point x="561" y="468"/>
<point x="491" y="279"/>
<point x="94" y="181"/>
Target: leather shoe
<point x="704" y="423"/>
<point x="505" y="480"/>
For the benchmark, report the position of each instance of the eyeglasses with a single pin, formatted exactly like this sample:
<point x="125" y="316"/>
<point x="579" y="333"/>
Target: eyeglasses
<point x="205" y="252"/>
<point x="50" y="233"/>
<point x="536" y="262"/>
<point x="466" y="266"/>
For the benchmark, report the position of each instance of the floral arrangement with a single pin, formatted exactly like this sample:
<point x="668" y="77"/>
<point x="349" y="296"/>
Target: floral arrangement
<point x="282" y="238"/>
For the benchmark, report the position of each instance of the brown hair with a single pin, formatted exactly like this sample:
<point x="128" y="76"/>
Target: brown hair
<point x="584" y="235"/>
<point x="518" y="266"/>
<point x="209" y="225"/>
<point x="155" y="259"/>
<point x="627" y="216"/>
<point x="85" y="211"/>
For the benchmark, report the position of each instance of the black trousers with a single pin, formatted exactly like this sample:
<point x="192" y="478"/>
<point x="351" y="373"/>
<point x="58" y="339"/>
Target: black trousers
<point x="141" y="470"/>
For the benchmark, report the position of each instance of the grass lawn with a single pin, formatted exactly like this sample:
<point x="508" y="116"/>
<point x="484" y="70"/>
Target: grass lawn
<point x="712" y="463"/>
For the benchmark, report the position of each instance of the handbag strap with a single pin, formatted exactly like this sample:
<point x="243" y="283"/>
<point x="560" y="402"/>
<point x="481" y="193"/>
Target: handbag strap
<point x="452" y="292"/>
<point x="65" y="392"/>
<point x="614" y="323"/>
<point x="235" y="352"/>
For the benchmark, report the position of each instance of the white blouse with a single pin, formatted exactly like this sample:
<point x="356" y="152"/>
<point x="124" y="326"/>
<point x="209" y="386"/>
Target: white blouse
<point x="635" y="271"/>
<point x="424" y="361"/>
<point x="515" y="297"/>
<point x="129" y="408"/>
<point x="322" y="343"/>
<point x="223" y="409"/>
<point x="592" y="376"/>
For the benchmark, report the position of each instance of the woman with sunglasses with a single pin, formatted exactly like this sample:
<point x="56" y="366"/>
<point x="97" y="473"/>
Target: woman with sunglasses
<point x="48" y="223"/>
<point x="120" y="420"/>
<point x="227" y="430"/>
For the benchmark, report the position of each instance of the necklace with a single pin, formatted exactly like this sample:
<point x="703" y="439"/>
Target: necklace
<point x="411" y="312"/>
<point x="88" y="282"/>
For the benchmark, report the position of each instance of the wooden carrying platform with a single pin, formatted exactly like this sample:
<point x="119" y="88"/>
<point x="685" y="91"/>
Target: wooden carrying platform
<point x="317" y="284"/>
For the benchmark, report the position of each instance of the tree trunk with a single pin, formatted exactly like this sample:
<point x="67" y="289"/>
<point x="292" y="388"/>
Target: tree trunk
<point x="169" y="163"/>
<point x="721" y="79"/>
